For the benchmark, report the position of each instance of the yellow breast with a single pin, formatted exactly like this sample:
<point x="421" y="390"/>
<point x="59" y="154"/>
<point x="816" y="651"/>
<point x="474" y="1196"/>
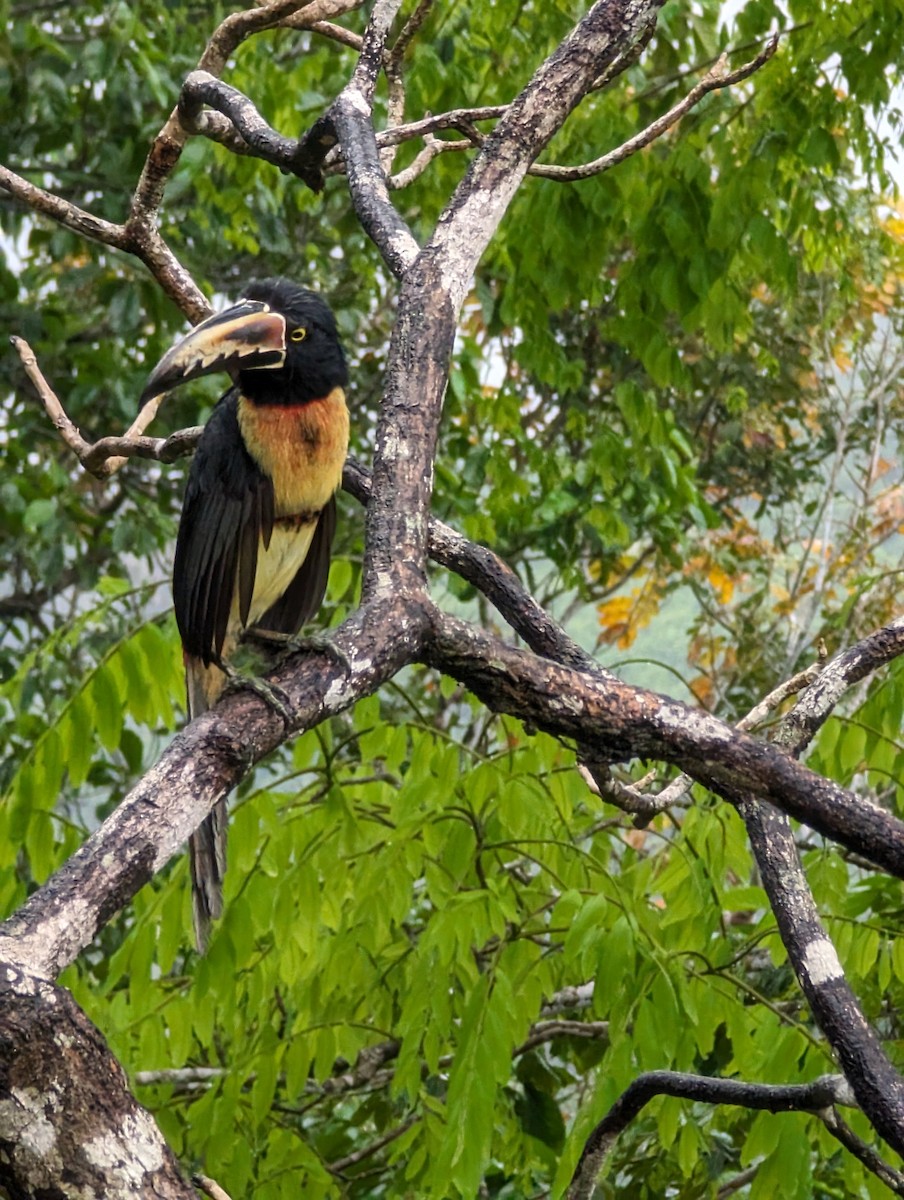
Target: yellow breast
<point x="301" y="447"/>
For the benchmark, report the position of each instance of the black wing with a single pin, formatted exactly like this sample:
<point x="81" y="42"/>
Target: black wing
<point x="228" y="510"/>
<point x="304" y="595"/>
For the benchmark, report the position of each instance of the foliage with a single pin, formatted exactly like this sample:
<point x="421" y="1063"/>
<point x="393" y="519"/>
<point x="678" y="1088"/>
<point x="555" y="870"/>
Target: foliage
<point x="674" y="408"/>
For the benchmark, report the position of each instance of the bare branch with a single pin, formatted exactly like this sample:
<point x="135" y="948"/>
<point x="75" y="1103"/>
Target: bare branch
<point x="819" y="1095"/>
<point x="569" y="999"/>
<point x="545" y="1031"/>
<point x="840" y="1129"/>
<point x="200" y="88"/>
<point x="392" y="67"/>
<point x="431" y="150"/>
<point x="632" y="798"/>
<point x="104" y="457"/>
<point x="70" y="216"/>
<point x="878" y="1086"/>
<point x="620" y="721"/>
<point x="200" y="766"/>
<point x="351" y="114"/>
<point x="737" y="1182"/>
<point x="337" y="33"/>
<point x="318" y="12"/>
<point x="182" y="1077"/>
<point x="846" y="669"/>
<point x="718" y="77"/>
<point x="457" y="118"/>
<point x="875" y="1082"/>
<point x="340" y="1165"/>
<point x="347" y="121"/>
<point x="209" y="1187"/>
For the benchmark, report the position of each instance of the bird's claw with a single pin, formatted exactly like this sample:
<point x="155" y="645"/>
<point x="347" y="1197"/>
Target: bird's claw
<point x="293" y="643"/>
<point x="274" y="696"/>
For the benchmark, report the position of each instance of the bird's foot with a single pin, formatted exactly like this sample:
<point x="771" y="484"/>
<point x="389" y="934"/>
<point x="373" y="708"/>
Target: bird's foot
<point x="293" y="643"/>
<point x="275" y="697"/>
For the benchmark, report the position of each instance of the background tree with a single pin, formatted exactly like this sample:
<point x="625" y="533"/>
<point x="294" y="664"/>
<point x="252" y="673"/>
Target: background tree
<point x="673" y="408"/>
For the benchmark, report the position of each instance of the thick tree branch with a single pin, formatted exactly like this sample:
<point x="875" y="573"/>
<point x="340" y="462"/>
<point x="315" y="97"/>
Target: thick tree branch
<point x="201" y="765"/>
<point x="634" y="799"/>
<point x="620" y="721"/>
<point x="67" y="1118"/>
<point x="435" y="284"/>
<point x="255" y="135"/>
<point x="877" y="1085"/>
<point x="486" y="571"/>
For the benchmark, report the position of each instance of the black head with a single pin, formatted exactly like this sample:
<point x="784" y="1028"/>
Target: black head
<point x="314" y="362"/>
<point x="279" y="342"/>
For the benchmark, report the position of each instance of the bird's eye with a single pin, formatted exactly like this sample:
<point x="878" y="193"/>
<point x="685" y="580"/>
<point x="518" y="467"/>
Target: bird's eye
<point x="299" y="334"/>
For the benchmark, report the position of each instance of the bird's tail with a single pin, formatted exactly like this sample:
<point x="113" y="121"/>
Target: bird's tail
<point x="207" y="845"/>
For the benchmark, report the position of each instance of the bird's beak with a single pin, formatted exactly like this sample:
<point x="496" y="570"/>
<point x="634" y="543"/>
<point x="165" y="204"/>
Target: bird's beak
<point x="246" y="336"/>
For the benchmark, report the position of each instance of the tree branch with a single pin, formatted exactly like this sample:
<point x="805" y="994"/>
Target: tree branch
<point x="436" y="281"/>
<point x="339" y="1165"/>
<point x="201" y="765"/>
<point x="878" y="1087"/>
<point x="633" y="799"/>
<point x="620" y="721"/>
<point x="818" y="1097"/>
<point x="66" y="1113"/>
<point x="70" y="216"/>
<point x="352" y="116"/>
<point x="432" y="148"/>
<point x="139" y="235"/>
<point x="105" y="457"/>
<point x="718" y="77"/>
<point x="876" y="1083"/>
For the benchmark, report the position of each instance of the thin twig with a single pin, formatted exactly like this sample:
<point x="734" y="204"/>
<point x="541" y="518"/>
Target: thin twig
<point x="351" y="1160"/>
<point x="209" y="1187"/>
<point x="432" y="148"/>
<point x="105" y="457"/>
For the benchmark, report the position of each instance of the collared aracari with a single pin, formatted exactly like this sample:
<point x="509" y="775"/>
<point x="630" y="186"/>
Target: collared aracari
<point x="253" y="548"/>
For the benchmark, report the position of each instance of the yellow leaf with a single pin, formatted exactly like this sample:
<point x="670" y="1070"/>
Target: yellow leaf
<point x="702" y="687"/>
<point x="615" y="619"/>
<point x="722" y="584"/>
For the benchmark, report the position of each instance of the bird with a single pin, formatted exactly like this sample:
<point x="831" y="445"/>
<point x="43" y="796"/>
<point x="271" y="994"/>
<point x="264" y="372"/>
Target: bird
<point x="259" y="513"/>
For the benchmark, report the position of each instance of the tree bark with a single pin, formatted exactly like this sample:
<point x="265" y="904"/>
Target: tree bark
<point x="69" y="1125"/>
